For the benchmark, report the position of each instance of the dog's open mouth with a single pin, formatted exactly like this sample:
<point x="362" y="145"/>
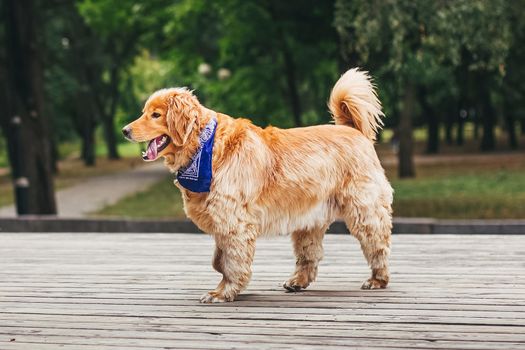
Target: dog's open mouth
<point x="155" y="146"/>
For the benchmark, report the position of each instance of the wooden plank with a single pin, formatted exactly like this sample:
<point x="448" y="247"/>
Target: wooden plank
<point x="341" y="313"/>
<point x="275" y="303"/>
<point x="154" y="339"/>
<point x="249" y="326"/>
<point x="279" y="299"/>
<point x="104" y="291"/>
<point x="289" y="329"/>
<point x="397" y="317"/>
<point x="346" y="291"/>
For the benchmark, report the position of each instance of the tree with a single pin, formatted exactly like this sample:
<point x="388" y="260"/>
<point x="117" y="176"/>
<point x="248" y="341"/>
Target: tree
<point x="26" y="124"/>
<point x="73" y="76"/>
<point x="122" y="30"/>
<point x="435" y="63"/>
<point x="452" y="53"/>
<point x="477" y="35"/>
<point x="514" y="74"/>
<point x="85" y="66"/>
<point x="389" y="39"/>
<point x="280" y="64"/>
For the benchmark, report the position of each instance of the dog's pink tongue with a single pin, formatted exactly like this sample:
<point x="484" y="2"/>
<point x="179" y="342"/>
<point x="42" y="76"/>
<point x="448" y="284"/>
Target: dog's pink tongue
<point x="152" y="150"/>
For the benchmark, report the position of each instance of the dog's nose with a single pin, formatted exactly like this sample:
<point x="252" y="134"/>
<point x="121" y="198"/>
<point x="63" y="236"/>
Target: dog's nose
<point x="127" y="132"/>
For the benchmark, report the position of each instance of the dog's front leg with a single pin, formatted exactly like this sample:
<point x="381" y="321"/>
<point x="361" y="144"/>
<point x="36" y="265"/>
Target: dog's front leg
<point x="233" y="259"/>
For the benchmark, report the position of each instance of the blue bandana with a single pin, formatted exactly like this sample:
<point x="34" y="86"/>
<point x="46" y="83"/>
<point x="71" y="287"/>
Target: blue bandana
<point x="197" y="176"/>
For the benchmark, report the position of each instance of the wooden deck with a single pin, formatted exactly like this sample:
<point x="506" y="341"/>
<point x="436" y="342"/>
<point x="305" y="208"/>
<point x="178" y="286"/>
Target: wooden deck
<point x="141" y="291"/>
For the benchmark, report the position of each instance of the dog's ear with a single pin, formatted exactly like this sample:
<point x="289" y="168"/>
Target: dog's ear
<point x="182" y="115"/>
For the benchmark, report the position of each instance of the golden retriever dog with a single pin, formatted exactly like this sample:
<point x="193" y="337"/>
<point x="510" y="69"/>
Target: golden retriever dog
<point x="276" y="181"/>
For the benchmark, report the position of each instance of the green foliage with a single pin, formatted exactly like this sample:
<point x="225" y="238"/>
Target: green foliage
<point x="427" y="43"/>
<point x="145" y="75"/>
<point x="120" y="52"/>
<point x="162" y="44"/>
<point x="250" y="39"/>
<point x="481" y="27"/>
<point x="124" y="26"/>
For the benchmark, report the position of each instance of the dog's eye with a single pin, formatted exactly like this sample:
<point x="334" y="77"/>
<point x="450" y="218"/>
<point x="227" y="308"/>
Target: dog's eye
<point x="155" y="115"/>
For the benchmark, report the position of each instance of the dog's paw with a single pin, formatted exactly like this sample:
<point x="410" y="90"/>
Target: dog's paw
<point x="292" y="286"/>
<point x="214" y="297"/>
<point x="210" y="298"/>
<point x="373" y="283"/>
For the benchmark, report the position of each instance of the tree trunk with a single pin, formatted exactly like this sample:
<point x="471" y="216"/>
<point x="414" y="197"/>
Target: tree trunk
<point x="432" y="124"/>
<point x="86" y="126"/>
<point x="53" y="144"/>
<point x="289" y="69"/>
<point x="406" y="156"/>
<point x="511" y="131"/>
<point x="510" y="125"/>
<point x="293" y="93"/>
<point x="88" y="146"/>
<point x="34" y="188"/>
<point x="111" y="140"/>
<point x="108" y="118"/>
<point x="83" y="49"/>
<point x="474" y="114"/>
<point x="460" y="131"/>
<point x="433" y="134"/>
<point x="488" y="140"/>
<point x="449" y="125"/>
<point x="54" y="157"/>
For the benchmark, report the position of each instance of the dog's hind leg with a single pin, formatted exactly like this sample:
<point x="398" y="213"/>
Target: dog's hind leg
<point x="233" y="259"/>
<point x="371" y="224"/>
<point x="308" y="249"/>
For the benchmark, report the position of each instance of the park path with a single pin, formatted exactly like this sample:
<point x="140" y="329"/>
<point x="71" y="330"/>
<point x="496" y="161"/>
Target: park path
<point x="95" y="193"/>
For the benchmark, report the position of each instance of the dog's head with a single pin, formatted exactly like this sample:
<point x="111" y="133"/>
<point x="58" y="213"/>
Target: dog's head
<point x="167" y="122"/>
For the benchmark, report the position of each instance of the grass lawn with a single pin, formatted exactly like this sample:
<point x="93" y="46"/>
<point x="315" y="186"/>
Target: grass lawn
<point x="492" y="187"/>
<point x="459" y="193"/>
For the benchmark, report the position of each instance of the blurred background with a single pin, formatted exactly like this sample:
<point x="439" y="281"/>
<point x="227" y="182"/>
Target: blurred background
<point x="450" y="75"/>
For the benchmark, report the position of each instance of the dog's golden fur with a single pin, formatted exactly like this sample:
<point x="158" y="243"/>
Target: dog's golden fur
<point x="273" y="181"/>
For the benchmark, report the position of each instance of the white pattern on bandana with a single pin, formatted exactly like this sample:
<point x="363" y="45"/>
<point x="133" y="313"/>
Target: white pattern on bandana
<point x="191" y="172"/>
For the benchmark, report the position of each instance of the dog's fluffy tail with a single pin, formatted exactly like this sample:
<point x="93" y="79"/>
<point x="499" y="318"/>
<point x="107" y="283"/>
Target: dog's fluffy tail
<point x="354" y="102"/>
